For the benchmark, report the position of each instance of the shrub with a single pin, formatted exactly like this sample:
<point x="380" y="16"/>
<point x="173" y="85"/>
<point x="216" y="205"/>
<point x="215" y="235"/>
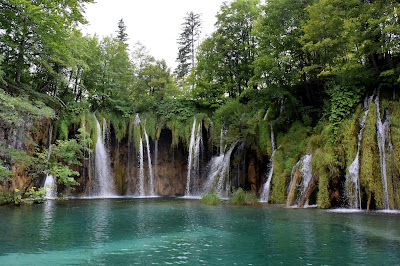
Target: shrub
<point x="210" y="198"/>
<point x="242" y="197"/>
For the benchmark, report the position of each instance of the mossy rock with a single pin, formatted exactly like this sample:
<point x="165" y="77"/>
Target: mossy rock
<point x="370" y="177"/>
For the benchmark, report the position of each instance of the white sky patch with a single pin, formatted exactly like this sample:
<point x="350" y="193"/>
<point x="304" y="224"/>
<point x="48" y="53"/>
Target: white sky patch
<point x="155" y="23"/>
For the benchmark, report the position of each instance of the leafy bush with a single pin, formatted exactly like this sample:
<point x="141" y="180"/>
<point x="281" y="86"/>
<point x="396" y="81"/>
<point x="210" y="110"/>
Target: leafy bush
<point x="210" y="198"/>
<point x="65" y="154"/>
<point x="343" y="101"/>
<point x="5" y="174"/>
<point x="37" y="195"/>
<point x="17" y="197"/>
<point x="177" y="110"/>
<point x="242" y="197"/>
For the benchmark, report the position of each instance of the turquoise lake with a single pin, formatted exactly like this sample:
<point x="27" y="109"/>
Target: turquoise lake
<point x="182" y="231"/>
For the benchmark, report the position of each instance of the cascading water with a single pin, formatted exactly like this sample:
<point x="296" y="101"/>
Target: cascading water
<point x="193" y="170"/>
<point x="217" y="178"/>
<point x="151" y="177"/>
<point x="141" y="169"/>
<point x="50" y="182"/>
<point x="305" y="167"/>
<point x="352" y="179"/>
<point x="104" y="176"/>
<point x="306" y="172"/>
<point x="267" y="186"/>
<point x="50" y="186"/>
<point x="382" y="131"/>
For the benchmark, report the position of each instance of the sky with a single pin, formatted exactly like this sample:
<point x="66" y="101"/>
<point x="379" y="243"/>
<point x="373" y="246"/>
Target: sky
<point x="155" y="23"/>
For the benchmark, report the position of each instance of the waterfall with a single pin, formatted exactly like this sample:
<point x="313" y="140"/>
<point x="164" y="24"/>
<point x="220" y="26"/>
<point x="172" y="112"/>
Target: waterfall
<point x="141" y="169"/>
<point x="267" y="186"/>
<point x="196" y="160"/>
<point x="193" y="169"/>
<point x="352" y="179"/>
<point x="382" y="131"/>
<point x="305" y="167"/>
<point x="151" y="177"/>
<point x="105" y="179"/>
<point x="218" y="175"/>
<point x="306" y="172"/>
<point x="50" y="182"/>
<point x="50" y="186"/>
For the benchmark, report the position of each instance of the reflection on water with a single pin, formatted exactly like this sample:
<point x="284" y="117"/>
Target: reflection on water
<point x="182" y="231"/>
<point x="45" y="231"/>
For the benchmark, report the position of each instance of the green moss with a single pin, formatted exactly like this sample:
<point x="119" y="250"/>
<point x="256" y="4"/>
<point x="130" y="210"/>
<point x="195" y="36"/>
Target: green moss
<point x="90" y="126"/>
<point x="120" y="173"/>
<point x="150" y="123"/>
<point x="264" y="138"/>
<point x="137" y="134"/>
<point x="370" y="177"/>
<point x="348" y="136"/>
<point x="394" y="166"/>
<point x="325" y="166"/>
<point x="130" y="127"/>
<point x="292" y="146"/>
<point x="120" y="125"/>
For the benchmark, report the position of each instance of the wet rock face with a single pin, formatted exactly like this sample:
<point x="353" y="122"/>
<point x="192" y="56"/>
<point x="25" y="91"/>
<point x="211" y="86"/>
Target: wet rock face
<point x="171" y="167"/>
<point x="252" y="175"/>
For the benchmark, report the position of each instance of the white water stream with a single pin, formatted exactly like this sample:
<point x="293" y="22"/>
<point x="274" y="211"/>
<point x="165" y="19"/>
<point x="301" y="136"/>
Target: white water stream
<point x="104" y="176"/>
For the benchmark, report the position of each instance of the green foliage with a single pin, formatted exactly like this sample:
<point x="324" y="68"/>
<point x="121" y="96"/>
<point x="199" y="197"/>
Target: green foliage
<point x="238" y="119"/>
<point x="343" y="101"/>
<point x="37" y="195"/>
<point x="67" y="153"/>
<point x="187" y="42"/>
<point x="242" y="197"/>
<point x="347" y="137"/>
<point x="264" y="138"/>
<point x="120" y="125"/>
<point x="5" y="173"/>
<point x="17" y="197"/>
<point x="150" y="124"/>
<point x="176" y="110"/>
<point x="291" y="146"/>
<point x="210" y="198"/>
<point x="16" y="110"/>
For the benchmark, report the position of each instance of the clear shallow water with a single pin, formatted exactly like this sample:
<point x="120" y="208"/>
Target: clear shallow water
<point x="183" y="231"/>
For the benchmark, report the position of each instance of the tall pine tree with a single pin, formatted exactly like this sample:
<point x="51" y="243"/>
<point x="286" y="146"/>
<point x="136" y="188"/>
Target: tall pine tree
<point x="122" y="36"/>
<point x="187" y="40"/>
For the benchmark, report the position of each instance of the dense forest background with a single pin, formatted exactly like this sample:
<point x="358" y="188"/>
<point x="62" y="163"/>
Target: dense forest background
<point x="303" y="67"/>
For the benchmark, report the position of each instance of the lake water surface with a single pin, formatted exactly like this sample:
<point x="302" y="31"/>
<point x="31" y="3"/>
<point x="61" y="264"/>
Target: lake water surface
<point x="184" y="231"/>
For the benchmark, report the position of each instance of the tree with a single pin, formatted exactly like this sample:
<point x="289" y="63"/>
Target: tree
<point x="187" y="40"/>
<point x="354" y="38"/>
<point x="122" y="35"/>
<point x="280" y="62"/>
<point x="231" y="50"/>
<point x="33" y="37"/>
